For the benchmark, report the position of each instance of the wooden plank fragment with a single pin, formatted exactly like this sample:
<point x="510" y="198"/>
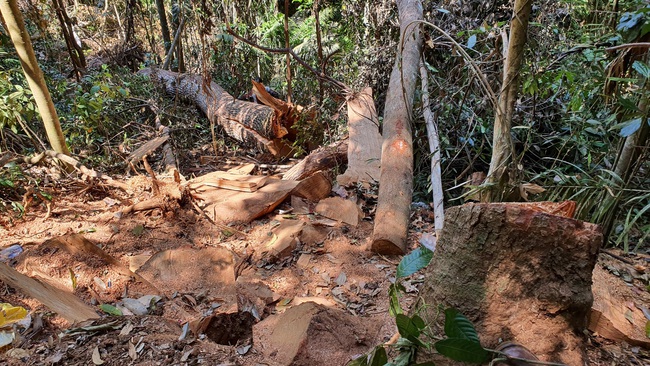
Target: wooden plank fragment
<point x="67" y="305"/>
<point x="226" y="206"/>
<point x="226" y="180"/>
<point x="611" y="317"/>
<point x="284" y="239"/>
<point x="364" y="147"/>
<point x="314" y="188"/>
<point x="339" y="209"/>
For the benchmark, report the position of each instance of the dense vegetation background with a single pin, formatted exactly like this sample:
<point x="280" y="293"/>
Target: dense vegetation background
<point x="584" y="89"/>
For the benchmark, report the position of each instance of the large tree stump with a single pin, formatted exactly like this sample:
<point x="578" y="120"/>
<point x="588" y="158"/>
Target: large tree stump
<point x="518" y="274"/>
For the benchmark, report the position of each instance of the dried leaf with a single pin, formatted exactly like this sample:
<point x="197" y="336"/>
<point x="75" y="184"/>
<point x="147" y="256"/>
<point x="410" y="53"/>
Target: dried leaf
<point x="126" y="329"/>
<point x="132" y="353"/>
<point x="341" y="279"/>
<point x="97" y="359"/>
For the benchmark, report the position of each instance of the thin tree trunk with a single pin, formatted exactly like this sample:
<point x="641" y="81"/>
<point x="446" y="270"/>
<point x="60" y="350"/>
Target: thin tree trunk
<point x="396" y="177"/>
<point x="178" y="20"/>
<point x="164" y="26"/>
<point x="502" y="148"/>
<point x="434" y="148"/>
<point x="74" y="48"/>
<point x="287" y="45"/>
<point x="33" y="74"/>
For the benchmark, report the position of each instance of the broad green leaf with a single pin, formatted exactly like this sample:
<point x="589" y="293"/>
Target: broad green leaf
<point x="406" y="327"/>
<point x="379" y="357"/>
<point x="462" y="350"/>
<point x="360" y="361"/>
<point x="630" y="127"/>
<point x="458" y="326"/>
<point x="110" y="309"/>
<point x="647" y="329"/>
<point x="641" y="68"/>
<point x="414" y="261"/>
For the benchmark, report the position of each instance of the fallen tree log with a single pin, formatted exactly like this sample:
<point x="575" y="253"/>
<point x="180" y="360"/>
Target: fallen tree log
<point x="396" y="176"/>
<point x="252" y="124"/>
<point x="323" y="158"/>
<point x="518" y="274"/>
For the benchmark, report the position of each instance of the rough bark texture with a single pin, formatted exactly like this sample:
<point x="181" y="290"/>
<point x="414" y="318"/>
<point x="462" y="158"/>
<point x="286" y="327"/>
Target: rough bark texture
<point x="33" y="73"/>
<point x="396" y="177"/>
<point x="250" y="123"/>
<point x="502" y="140"/>
<point x="164" y="26"/>
<point x="518" y="275"/>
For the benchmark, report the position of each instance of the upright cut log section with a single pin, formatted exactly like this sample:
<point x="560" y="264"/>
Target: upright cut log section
<point x="518" y="274"/>
<point x="250" y="123"/>
<point x="396" y="174"/>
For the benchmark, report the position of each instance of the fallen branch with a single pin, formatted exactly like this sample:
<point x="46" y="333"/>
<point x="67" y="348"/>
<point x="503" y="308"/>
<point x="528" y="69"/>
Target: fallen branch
<point x="85" y="171"/>
<point x="434" y="148"/>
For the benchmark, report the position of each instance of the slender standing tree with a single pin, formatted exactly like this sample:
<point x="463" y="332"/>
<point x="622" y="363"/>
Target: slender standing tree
<point x="164" y="26"/>
<point x="23" y="44"/>
<point x="502" y="149"/>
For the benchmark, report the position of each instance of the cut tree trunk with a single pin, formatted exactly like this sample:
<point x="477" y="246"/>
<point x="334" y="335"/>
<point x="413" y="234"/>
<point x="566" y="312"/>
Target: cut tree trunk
<point x="249" y="123"/>
<point x="396" y="177"/>
<point x="364" y="147"/>
<point x="518" y="274"/>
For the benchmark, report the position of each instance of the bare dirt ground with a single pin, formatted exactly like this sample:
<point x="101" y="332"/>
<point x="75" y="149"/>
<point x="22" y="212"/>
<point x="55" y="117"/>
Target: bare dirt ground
<point x="330" y="265"/>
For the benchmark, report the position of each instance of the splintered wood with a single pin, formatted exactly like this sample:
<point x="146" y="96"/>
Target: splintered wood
<point x="236" y="182"/>
<point x="64" y="303"/>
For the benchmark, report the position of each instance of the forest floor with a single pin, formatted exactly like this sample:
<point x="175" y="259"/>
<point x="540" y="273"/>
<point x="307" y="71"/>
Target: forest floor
<point x="330" y="265"/>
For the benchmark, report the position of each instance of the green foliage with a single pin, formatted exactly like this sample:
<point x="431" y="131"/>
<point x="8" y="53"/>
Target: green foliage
<point x="16" y="104"/>
<point x="414" y="261"/>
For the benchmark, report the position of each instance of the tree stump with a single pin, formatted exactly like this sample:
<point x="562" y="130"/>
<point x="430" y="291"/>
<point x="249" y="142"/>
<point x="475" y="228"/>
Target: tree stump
<point x="518" y="274"/>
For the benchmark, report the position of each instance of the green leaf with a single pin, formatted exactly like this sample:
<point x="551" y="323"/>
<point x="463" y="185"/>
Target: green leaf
<point x="406" y="326"/>
<point x="414" y="261"/>
<point x="458" y="326"/>
<point x="629" y="127"/>
<point x="393" y="297"/>
<point x="462" y="350"/>
<point x="110" y="309"/>
<point x="647" y="329"/>
<point x="360" y="361"/>
<point x="471" y="42"/>
<point x="641" y="68"/>
<point x="379" y="357"/>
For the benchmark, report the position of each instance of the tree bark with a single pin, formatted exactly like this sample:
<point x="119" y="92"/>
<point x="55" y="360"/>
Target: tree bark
<point x="502" y="148"/>
<point x="434" y="147"/>
<point x="164" y="26"/>
<point x="518" y="274"/>
<point x="323" y="158"/>
<point x="396" y="177"/>
<point x="250" y="123"/>
<point x="74" y="47"/>
<point x="33" y="74"/>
